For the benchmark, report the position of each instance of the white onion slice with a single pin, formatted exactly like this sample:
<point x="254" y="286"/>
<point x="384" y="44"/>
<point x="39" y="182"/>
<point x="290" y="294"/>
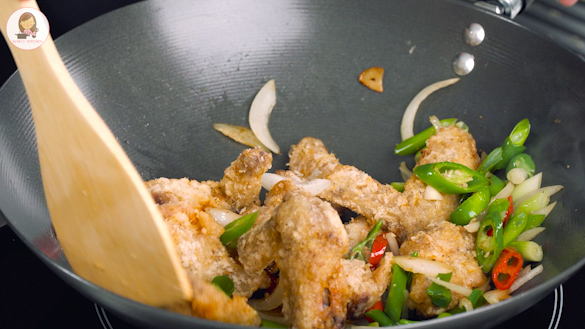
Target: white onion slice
<point x="530" y="234"/>
<point x="424" y="266"/>
<point x="222" y="216"/>
<point x="520" y="281"/>
<point x="404" y="171"/>
<point x="472" y="227"/>
<point x="464" y="291"/>
<point x="314" y="186"/>
<point x="435" y="122"/>
<point x="271" y="302"/>
<point x="466" y="304"/>
<point x="260" y="111"/>
<point x="527" y="186"/>
<point x="504" y="193"/>
<point x="432" y="194"/>
<point x="496" y="295"/>
<point x="406" y="127"/>
<point x="524" y="271"/>
<point x="392" y="243"/>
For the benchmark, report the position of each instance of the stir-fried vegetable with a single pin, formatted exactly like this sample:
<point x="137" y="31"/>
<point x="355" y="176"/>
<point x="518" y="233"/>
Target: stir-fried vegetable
<point x="530" y="250"/>
<point x="514" y="227"/>
<point x="358" y="250"/>
<point x="224" y="283"/>
<point x="471" y="207"/>
<point x="440" y="296"/>
<point x="496" y="185"/>
<point x="418" y="141"/>
<point x="378" y="250"/>
<point x="451" y="177"/>
<point x="237" y="228"/>
<point x="506" y="268"/>
<point x="512" y="146"/>
<point x="272" y="324"/>
<point x="395" y="299"/>
<point x="488" y="248"/>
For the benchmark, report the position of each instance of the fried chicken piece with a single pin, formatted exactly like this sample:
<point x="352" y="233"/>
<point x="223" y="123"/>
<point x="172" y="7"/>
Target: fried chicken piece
<point x="313" y="242"/>
<point x="212" y="304"/>
<point x="357" y="230"/>
<point x="351" y="187"/>
<point x="196" y="234"/>
<point x="241" y="183"/>
<point x="448" y="144"/>
<point x="450" y="244"/>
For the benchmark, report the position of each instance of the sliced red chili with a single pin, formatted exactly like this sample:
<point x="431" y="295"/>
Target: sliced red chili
<point x="378" y="250"/>
<point x="377" y="306"/>
<point x="509" y="212"/>
<point x="507" y="268"/>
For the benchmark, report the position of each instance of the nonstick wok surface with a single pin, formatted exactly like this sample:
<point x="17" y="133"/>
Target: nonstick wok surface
<point x="161" y="73"/>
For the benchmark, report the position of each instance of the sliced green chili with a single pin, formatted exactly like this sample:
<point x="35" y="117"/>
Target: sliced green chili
<point x="237" y="228"/>
<point x="514" y="227"/>
<point x="509" y="151"/>
<point x="380" y="317"/>
<point x="224" y="283"/>
<point x="440" y="296"/>
<point x="471" y="207"/>
<point x="522" y="161"/>
<point x="272" y="324"/>
<point x="520" y="132"/>
<point x="398" y="186"/>
<point x="491" y="161"/>
<point x="358" y="251"/>
<point x="496" y="185"/>
<point x="418" y="141"/>
<point x="451" y="177"/>
<point x="393" y="308"/>
<point x="488" y="248"/>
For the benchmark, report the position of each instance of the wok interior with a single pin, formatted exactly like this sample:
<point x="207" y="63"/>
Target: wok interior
<point x="182" y="66"/>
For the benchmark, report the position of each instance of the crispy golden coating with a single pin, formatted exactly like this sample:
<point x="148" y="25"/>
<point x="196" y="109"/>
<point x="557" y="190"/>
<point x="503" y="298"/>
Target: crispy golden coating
<point x="311" y="159"/>
<point x="241" y="183"/>
<point x="450" y="244"/>
<point x="357" y="230"/>
<point x="313" y="242"/>
<point x="448" y="144"/>
<point x="212" y="304"/>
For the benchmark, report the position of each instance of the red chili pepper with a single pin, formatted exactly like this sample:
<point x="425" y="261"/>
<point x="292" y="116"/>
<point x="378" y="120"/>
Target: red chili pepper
<point x="507" y="268"/>
<point x="508" y="214"/>
<point x="377" y="306"/>
<point x="378" y="250"/>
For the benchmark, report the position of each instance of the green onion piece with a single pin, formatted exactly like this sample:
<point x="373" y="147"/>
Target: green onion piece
<point x="440" y="296"/>
<point x="530" y="250"/>
<point x="476" y="298"/>
<point x="462" y="125"/>
<point x="509" y="150"/>
<point x="514" y="227"/>
<point x="380" y="317"/>
<point x="533" y="203"/>
<point x="404" y="321"/>
<point x="488" y="248"/>
<point x="534" y="221"/>
<point x="398" y="186"/>
<point x="496" y="185"/>
<point x="358" y="251"/>
<point x="520" y="132"/>
<point x="523" y="161"/>
<point x="490" y="161"/>
<point x="224" y="283"/>
<point x="236" y="229"/>
<point x="272" y="324"/>
<point x="393" y="308"/>
<point x="373" y="324"/>
<point x="443" y="315"/>
<point x="413" y="144"/>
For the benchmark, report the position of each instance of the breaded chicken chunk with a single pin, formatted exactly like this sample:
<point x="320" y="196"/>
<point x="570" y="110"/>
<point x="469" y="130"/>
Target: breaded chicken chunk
<point x="450" y="244"/>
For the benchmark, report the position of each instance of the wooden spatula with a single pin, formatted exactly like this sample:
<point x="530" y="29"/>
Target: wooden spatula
<point x="106" y="221"/>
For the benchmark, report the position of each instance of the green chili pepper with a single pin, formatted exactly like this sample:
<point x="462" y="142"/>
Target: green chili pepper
<point x="476" y="298"/>
<point x="443" y="315"/>
<point x="496" y="185"/>
<point x="440" y="296"/>
<point x="373" y="324"/>
<point x="272" y="324"/>
<point x="451" y="177"/>
<point x="490" y="161"/>
<point x="393" y="308"/>
<point x="509" y="151"/>
<point x="413" y="144"/>
<point x="404" y="321"/>
<point x="488" y="248"/>
<point x="520" y="132"/>
<point x="471" y="207"/>
<point x="523" y="161"/>
<point x="514" y="227"/>
<point x="398" y="186"/>
<point x="417" y="155"/>
<point x="237" y="228"/>
<point x="380" y="317"/>
<point x="224" y="283"/>
<point x="534" y="221"/>
<point x="358" y="251"/>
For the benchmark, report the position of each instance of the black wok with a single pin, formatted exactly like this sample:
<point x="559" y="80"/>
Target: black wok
<point x="161" y="73"/>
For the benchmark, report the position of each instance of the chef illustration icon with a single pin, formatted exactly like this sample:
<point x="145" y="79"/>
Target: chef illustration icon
<point x="27" y="25"/>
